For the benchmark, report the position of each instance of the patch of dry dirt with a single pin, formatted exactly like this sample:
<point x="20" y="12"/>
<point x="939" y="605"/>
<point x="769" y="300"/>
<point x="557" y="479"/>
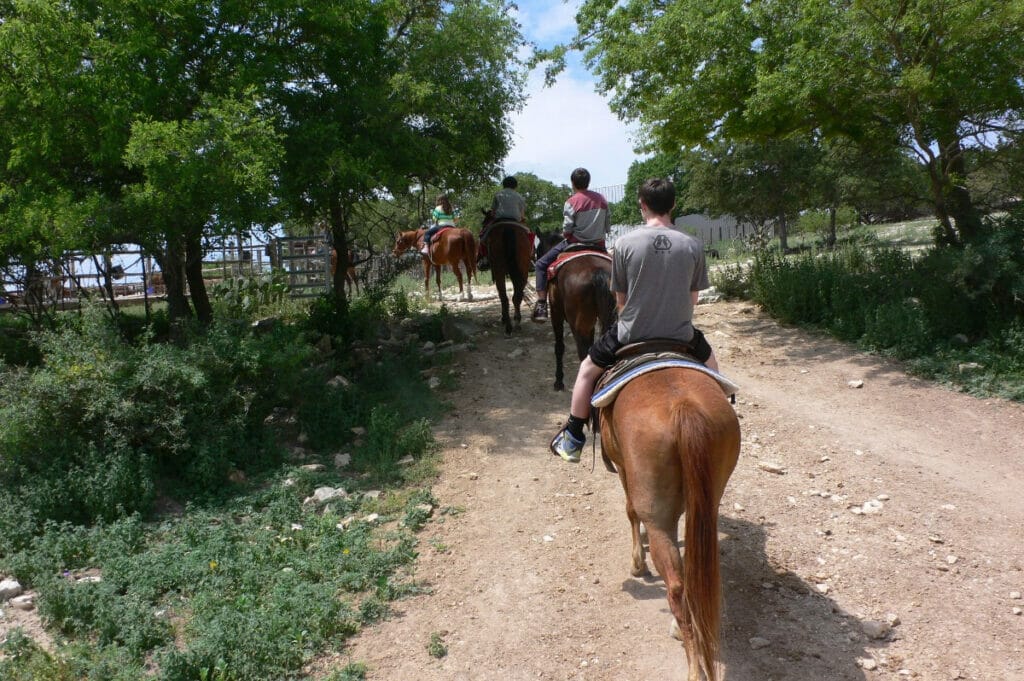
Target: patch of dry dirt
<point x="531" y="581"/>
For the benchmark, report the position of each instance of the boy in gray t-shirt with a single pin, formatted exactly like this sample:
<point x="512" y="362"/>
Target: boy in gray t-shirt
<point x="657" y="273"/>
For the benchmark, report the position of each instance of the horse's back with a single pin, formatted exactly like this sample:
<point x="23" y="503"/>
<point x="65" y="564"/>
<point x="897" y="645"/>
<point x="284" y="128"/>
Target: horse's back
<point x="510" y="247"/>
<point x="682" y="409"/>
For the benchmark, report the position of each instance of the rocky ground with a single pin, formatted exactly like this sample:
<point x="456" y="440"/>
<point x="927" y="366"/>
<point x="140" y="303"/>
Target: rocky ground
<point x="872" y="529"/>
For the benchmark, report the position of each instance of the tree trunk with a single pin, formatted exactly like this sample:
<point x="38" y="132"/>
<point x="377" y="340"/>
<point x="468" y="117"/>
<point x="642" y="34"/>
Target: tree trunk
<point x="172" y="266"/>
<point x="339" y="241"/>
<point x="783" y="228"/>
<point x="957" y="198"/>
<point x="194" y="274"/>
<point x="830" y="237"/>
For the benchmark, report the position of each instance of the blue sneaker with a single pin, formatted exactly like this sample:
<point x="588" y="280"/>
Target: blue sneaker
<point x="567" y="446"/>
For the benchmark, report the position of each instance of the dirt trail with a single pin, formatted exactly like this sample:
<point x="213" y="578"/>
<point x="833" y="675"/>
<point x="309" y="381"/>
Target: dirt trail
<point x="531" y="580"/>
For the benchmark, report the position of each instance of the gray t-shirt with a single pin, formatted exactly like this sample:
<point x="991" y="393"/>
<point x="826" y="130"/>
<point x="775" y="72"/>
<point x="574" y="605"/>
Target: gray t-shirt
<point x="657" y="268"/>
<point x="508" y="204"/>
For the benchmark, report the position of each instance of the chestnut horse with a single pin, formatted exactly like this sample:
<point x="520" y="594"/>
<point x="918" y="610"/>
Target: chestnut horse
<point x="675" y="439"/>
<point x="510" y="249"/>
<point x="350" y="270"/>
<point x="450" y="246"/>
<point x="580" y="293"/>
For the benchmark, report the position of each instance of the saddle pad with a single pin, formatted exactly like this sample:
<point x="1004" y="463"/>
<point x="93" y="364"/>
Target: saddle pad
<point x="608" y="390"/>
<point x="566" y="257"/>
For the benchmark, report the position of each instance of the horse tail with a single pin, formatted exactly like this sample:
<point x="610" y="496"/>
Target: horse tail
<point x="604" y="299"/>
<point x="510" y="244"/>
<point x="702" y="585"/>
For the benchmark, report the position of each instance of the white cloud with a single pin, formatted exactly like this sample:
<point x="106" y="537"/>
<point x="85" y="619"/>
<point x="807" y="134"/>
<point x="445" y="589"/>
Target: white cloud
<point x="545" y="22"/>
<point x="567" y="126"/>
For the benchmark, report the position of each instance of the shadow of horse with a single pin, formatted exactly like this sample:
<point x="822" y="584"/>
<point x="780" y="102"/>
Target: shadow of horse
<point x="580" y="294"/>
<point x="510" y="247"/>
<point x="451" y="246"/>
<point x="799" y="624"/>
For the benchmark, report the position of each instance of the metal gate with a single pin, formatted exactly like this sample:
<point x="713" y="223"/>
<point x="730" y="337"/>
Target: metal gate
<point x="306" y="262"/>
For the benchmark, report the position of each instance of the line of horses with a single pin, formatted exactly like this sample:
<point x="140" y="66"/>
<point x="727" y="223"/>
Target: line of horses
<point x="671" y="434"/>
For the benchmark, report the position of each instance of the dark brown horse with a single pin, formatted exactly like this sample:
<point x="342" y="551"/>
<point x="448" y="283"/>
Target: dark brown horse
<point x="510" y="249"/>
<point x="580" y="293"/>
<point x="450" y="246"/>
<point x="675" y="439"/>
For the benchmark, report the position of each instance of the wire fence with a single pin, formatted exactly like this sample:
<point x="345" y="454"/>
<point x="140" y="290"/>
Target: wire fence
<point x="128" y="275"/>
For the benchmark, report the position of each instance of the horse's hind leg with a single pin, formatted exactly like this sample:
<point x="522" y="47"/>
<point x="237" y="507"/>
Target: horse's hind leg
<point x="669" y="564"/>
<point x="506" y="321"/>
<point x="518" y="284"/>
<point x="639" y="561"/>
<point x="469" y="279"/>
<point x="458" y="276"/>
<point x="558" y="326"/>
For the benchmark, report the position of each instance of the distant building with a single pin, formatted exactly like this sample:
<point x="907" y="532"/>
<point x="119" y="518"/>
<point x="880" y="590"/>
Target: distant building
<point x="712" y="230"/>
<point x="709" y="230"/>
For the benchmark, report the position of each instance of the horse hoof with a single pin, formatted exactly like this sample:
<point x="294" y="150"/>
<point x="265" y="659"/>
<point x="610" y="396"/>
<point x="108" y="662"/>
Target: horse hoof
<point x="559" y="386"/>
<point x="640" y="572"/>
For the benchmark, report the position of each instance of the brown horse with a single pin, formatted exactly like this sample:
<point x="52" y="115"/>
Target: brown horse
<point x="510" y="249"/>
<point x="350" y="270"/>
<point x="580" y="293"/>
<point x="450" y="246"/>
<point x="675" y="439"/>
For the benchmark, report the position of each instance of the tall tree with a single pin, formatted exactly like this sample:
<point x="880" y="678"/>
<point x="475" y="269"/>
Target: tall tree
<point x="384" y="95"/>
<point x="134" y="121"/>
<point x="935" y="76"/>
<point x="761" y="184"/>
<point x="162" y="122"/>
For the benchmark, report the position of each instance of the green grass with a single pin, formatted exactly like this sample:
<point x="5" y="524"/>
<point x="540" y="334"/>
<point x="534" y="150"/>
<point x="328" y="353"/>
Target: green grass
<point x="250" y="582"/>
<point x="253" y="590"/>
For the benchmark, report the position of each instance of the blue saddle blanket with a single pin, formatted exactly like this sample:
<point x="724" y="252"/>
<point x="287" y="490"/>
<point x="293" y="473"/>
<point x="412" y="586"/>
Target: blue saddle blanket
<point x="606" y="394"/>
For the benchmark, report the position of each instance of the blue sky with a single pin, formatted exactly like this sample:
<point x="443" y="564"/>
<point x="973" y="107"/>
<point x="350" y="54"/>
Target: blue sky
<point x="549" y="138"/>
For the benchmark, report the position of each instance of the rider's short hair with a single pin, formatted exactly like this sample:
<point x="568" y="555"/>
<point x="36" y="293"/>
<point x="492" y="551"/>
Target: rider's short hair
<point x="510" y="182"/>
<point x="580" y="178"/>
<point x="658" y="194"/>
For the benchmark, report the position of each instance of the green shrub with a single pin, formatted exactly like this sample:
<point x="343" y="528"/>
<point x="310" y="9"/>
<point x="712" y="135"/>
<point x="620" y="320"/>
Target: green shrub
<point x="387" y="441"/>
<point x="131" y="416"/>
<point x="899" y="327"/>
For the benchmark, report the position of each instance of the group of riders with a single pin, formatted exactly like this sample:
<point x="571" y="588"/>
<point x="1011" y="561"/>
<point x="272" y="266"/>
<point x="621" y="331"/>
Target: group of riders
<point x="657" y="273"/>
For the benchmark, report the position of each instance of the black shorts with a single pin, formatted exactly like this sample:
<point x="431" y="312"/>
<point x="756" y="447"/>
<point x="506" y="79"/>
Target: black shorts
<point x="602" y="352"/>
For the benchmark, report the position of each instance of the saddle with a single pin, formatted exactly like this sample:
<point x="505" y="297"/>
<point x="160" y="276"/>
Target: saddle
<point x="571" y="253"/>
<point x="426" y="250"/>
<point x="636" y="359"/>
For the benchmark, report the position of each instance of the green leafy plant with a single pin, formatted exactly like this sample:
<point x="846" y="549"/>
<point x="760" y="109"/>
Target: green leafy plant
<point x="436" y="647"/>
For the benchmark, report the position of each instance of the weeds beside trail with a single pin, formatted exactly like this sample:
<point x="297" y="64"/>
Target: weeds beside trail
<point x="155" y="497"/>
<point x="953" y="314"/>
